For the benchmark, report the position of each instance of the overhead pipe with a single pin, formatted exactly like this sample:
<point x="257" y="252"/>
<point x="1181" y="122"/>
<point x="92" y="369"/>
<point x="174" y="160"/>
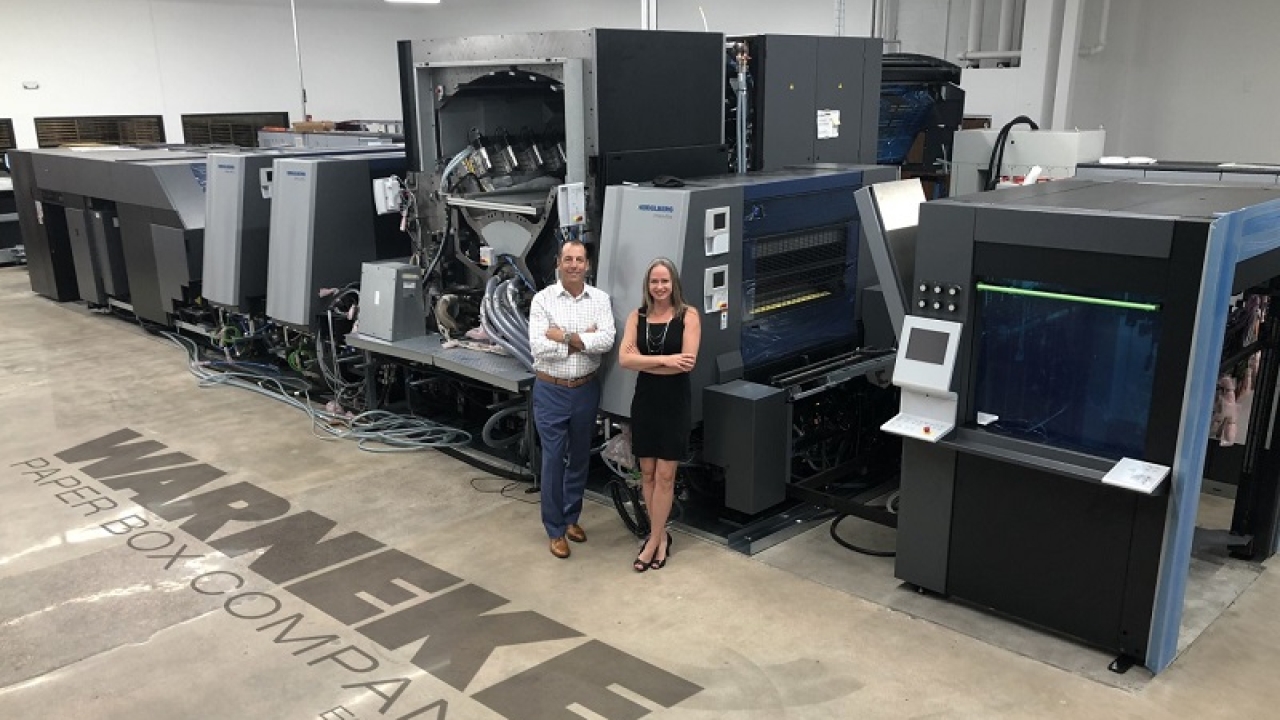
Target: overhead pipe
<point x="744" y="107"/>
<point x="648" y="14"/>
<point x="297" y="51"/>
<point x="1005" y="40"/>
<point x="974" y="40"/>
<point x="892" y="8"/>
<point x="1067" y="50"/>
<point x="991" y="55"/>
<point x="1102" y="32"/>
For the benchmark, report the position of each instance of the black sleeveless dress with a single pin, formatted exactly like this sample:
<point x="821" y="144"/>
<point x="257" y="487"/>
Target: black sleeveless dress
<point x="661" y="410"/>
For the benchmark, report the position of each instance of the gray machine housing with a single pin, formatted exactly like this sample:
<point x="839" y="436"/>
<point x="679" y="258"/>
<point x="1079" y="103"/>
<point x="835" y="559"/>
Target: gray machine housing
<point x="797" y="78"/>
<point x="155" y="196"/>
<point x="324" y="227"/>
<point x="747" y="432"/>
<point x="643" y="222"/>
<point x="238" y="222"/>
<point x="1029" y="528"/>
<point x="890" y="215"/>
<point x="617" y="88"/>
<point x="707" y="231"/>
<point x="1183" y="172"/>
<point x="11" y="249"/>
<point x="391" y="302"/>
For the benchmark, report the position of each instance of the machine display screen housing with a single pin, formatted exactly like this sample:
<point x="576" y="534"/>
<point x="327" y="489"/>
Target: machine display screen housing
<point x="928" y="346"/>
<point x="1067" y="368"/>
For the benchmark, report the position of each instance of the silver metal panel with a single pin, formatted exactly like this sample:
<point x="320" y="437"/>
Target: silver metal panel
<point x="163" y="179"/>
<point x="579" y="140"/>
<point x="511" y="207"/>
<point x="225" y="209"/>
<point x="1122" y="172"/>
<point x="1187" y="178"/>
<point x="631" y="239"/>
<point x="643" y="223"/>
<point x="178" y="256"/>
<point x="292" y="239"/>
<point x="322" y="230"/>
<point x="890" y="213"/>
<point x="105" y="231"/>
<point x="84" y="257"/>
<point x="238" y="221"/>
<point x="432" y="58"/>
<point x="391" y="301"/>
<point x="183" y="185"/>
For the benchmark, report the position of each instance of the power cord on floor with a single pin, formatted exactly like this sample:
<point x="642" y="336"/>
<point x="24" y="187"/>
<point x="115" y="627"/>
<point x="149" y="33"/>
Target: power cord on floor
<point x="504" y="491"/>
<point x="846" y="544"/>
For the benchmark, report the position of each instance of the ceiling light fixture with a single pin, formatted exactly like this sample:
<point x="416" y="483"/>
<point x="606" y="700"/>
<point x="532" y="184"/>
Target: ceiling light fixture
<point x="414" y="2"/>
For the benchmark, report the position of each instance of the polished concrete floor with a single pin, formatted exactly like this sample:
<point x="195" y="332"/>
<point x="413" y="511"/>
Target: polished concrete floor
<point x="100" y="618"/>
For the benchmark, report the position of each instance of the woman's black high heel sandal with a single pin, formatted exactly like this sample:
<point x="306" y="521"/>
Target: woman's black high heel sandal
<point x="657" y="564"/>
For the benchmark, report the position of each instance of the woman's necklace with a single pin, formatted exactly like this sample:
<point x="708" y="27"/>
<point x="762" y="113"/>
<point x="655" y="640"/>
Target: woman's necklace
<point x="653" y="342"/>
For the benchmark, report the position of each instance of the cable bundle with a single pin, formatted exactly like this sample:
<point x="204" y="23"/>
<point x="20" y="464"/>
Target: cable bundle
<point x="996" y="161"/>
<point x="374" y="430"/>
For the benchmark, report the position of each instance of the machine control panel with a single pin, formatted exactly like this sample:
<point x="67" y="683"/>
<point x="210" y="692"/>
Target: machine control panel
<point x="923" y="369"/>
<point x="715" y="289"/>
<point x="717" y="231"/>
<point x="920" y="428"/>
<point x="938" y="299"/>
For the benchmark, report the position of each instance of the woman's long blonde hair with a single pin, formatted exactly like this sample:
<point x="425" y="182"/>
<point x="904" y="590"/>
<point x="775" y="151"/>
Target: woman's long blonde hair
<point x="678" y="305"/>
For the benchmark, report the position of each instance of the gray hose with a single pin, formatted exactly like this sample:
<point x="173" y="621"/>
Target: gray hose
<point x="509" y="326"/>
<point x="489" y="425"/>
<point x="517" y="353"/>
<point x="510" y="331"/>
<point x="508" y="298"/>
<point x="501" y="328"/>
<point x="507" y="305"/>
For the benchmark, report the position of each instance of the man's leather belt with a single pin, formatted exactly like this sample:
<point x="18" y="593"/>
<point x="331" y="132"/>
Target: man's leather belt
<point x="562" y="382"/>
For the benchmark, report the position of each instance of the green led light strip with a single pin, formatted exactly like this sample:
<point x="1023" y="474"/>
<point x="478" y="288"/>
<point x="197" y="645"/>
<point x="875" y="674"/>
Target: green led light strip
<point x="1148" y="307"/>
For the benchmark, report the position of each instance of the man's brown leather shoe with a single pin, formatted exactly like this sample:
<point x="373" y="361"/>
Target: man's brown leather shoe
<point x="559" y="548"/>
<point x="575" y="533"/>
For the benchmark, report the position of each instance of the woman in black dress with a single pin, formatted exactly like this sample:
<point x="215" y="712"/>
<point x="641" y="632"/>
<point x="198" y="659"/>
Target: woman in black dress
<point x="661" y="343"/>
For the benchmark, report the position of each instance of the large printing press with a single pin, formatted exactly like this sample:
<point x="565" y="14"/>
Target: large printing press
<point x="1020" y="382"/>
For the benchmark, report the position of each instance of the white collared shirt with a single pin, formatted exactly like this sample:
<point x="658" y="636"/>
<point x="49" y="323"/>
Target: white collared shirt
<point x="553" y="305"/>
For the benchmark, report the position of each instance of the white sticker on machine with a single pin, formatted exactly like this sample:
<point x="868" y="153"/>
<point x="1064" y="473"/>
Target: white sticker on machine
<point x="828" y="124"/>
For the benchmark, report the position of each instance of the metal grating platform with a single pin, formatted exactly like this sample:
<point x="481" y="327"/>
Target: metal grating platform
<point x="500" y="371"/>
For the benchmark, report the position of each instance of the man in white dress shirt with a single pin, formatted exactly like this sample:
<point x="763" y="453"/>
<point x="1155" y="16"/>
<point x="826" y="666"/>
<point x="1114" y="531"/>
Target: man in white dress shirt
<point x="570" y="328"/>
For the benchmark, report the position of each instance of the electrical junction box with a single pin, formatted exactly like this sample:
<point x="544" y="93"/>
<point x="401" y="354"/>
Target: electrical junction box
<point x="386" y="195"/>
<point x="571" y="201"/>
<point x="391" y="303"/>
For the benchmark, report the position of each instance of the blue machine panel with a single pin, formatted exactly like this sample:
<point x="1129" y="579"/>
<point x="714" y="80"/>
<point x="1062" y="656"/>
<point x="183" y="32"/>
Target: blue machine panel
<point x="799" y="266"/>
<point x="1067" y="369"/>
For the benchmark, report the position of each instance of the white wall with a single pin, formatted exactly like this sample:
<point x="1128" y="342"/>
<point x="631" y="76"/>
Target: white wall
<point x="1178" y="79"/>
<point x="1185" y="80"/>
<point x="172" y="57"/>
